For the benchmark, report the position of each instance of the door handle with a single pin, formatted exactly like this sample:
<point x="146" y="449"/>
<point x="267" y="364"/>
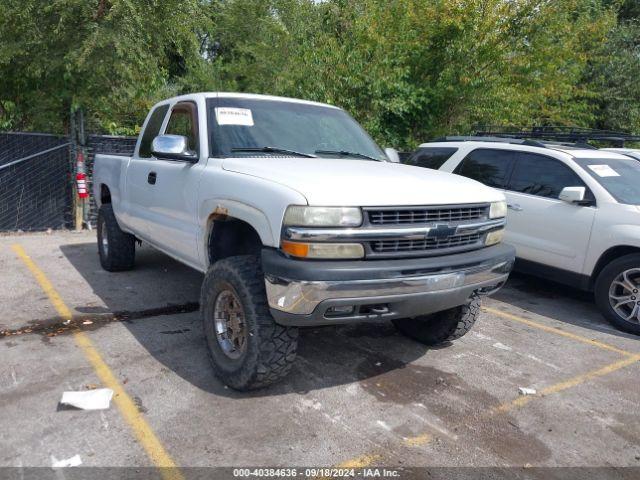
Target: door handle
<point x="151" y="178"/>
<point x="514" y="206"/>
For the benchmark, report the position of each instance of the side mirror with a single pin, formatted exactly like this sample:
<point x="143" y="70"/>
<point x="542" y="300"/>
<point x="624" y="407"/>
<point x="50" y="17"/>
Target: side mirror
<point x="392" y="155"/>
<point x="572" y="194"/>
<point x="173" y="147"/>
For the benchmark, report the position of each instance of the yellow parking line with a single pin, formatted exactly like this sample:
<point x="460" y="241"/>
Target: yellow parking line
<point x="557" y="331"/>
<point x="141" y="429"/>
<point x="572" y="382"/>
<point x="359" y="462"/>
<point x="418" y="441"/>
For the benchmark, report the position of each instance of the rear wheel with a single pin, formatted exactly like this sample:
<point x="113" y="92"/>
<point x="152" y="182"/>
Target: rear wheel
<point x="441" y="327"/>
<point x="617" y="293"/>
<point x="248" y="348"/>
<point x="117" y="249"/>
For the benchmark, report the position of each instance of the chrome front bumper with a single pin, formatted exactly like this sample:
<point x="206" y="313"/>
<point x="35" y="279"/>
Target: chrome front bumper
<point x="305" y="302"/>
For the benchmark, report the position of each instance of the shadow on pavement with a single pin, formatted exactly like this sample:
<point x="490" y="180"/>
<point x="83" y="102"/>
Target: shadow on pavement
<point x="560" y="302"/>
<point x="327" y="357"/>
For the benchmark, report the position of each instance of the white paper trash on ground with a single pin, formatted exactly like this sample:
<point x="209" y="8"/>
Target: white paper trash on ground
<point x="97" y="399"/>
<point x="526" y="391"/>
<point x="69" y="462"/>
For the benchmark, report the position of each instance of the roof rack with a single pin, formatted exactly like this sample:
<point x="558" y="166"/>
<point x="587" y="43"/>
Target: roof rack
<point x="488" y="138"/>
<point x="567" y="136"/>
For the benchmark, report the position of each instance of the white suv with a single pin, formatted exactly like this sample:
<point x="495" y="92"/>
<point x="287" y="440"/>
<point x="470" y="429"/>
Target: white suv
<point x="574" y="212"/>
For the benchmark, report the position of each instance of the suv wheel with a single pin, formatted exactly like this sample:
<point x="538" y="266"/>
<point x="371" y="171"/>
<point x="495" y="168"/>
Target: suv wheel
<point x="617" y="293"/>
<point x="248" y="349"/>
<point x="117" y="249"/>
<point x="441" y="327"/>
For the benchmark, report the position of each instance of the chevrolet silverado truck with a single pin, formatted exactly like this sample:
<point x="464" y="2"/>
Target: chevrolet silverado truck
<point x="297" y="218"/>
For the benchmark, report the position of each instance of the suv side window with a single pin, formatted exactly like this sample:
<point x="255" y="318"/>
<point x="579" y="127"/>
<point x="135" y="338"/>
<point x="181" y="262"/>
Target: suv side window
<point x="430" y="157"/>
<point x="184" y="121"/>
<point x="542" y="176"/>
<point x="152" y="130"/>
<point x="487" y="166"/>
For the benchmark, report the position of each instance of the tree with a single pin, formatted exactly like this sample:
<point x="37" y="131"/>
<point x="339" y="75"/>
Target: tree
<point x="110" y="57"/>
<point x="614" y="73"/>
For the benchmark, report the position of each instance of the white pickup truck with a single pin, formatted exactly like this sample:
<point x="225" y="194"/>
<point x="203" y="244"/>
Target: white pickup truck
<point x="297" y="218"/>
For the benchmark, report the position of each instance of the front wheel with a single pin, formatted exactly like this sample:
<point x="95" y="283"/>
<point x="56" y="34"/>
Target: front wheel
<point x="248" y="348"/>
<point x="441" y="327"/>
<point x="617" y="293"/>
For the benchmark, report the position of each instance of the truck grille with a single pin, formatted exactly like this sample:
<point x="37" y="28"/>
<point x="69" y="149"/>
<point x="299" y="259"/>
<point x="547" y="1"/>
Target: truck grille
<point x="408" y="216"/>
<point x="399" y="246"/>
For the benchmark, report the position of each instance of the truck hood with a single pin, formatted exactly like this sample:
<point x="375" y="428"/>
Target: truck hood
<point x="346" y="182"/>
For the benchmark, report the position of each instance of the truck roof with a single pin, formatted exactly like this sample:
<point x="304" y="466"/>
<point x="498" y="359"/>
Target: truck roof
<point x="253" y="96"/>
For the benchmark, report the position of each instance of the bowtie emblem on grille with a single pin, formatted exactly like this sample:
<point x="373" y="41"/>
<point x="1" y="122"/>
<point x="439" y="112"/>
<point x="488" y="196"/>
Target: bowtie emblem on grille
<point x="441" y="231"/>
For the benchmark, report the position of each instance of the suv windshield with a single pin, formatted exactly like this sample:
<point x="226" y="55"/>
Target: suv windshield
<point x="621" y="178"/>
<point x="271" y="127"/>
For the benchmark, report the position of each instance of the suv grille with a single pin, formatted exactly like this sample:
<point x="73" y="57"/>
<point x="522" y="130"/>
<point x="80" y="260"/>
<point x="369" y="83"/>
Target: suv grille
<point x="428" y="215"/>
<point x="398" y="246"/>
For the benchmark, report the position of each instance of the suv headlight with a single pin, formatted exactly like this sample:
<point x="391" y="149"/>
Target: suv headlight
<point x="498" y="210"/>
<point x="300" y="216"/>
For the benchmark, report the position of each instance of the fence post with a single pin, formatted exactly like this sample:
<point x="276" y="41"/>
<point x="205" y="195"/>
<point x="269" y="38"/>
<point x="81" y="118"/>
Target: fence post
<point x="76" y="203"/>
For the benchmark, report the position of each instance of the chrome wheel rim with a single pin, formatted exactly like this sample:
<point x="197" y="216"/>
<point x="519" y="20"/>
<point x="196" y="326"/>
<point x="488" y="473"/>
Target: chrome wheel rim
<point x="104" y="239"/>
<point x="624" y="295"/>
<point x="230" y="324"/>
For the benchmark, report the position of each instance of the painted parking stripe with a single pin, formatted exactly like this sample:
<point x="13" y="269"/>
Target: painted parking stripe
<point x="128" y="409"/>
<point x="557" y="331"/>
<point x="521" y="401"/>
<point x="566" y="384"/>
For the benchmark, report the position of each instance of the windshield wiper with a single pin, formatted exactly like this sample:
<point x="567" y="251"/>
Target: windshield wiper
<point x="345" y="153"/>
<point x="272" y="150"/>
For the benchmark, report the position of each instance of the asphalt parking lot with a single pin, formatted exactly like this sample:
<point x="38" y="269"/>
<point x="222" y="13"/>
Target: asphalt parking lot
<point x="359" y="395"/>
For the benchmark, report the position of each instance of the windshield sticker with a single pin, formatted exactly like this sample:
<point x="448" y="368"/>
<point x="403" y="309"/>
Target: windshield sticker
<point x="234" y="116"/>
<point x="604" y="171"/>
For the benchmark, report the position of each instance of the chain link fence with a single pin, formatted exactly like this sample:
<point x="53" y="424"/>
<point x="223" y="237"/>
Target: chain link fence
<point x="35" y="186"/>
<point x="37" y="177"/>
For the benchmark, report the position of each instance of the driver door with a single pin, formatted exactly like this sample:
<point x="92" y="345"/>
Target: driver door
<point x="139" y="187"/>
<point x="173" y="219"/>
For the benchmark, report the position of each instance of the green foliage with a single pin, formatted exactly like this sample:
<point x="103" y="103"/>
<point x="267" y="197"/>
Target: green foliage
<point x="112" y="57"/>
<point x="614" y="73"/>
<point x="407" y="69"/>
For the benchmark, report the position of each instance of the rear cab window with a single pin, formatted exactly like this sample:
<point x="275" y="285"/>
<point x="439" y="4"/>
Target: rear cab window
<point x="430" y="157"/>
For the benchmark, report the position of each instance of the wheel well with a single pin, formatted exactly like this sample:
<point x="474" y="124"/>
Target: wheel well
<point x="229" y="237"/>
<point x="105" y="194"/>
<point x="610" y="255"/>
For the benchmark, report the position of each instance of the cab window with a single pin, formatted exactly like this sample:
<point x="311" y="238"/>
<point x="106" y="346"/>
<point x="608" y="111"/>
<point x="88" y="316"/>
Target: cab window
<point x="152" y="130"/>
<point x="184" y="121"/>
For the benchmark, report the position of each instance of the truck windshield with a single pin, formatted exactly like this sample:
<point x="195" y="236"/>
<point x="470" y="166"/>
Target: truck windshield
<point x="254" y="127"/>
<point x="621" y="178"/>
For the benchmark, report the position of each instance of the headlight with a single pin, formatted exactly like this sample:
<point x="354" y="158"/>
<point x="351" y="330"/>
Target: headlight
<point x="498" y="210"/>
<point x="323" y="250"/>
<point x="300" y="216"/>
<point x="494" y="237"/>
